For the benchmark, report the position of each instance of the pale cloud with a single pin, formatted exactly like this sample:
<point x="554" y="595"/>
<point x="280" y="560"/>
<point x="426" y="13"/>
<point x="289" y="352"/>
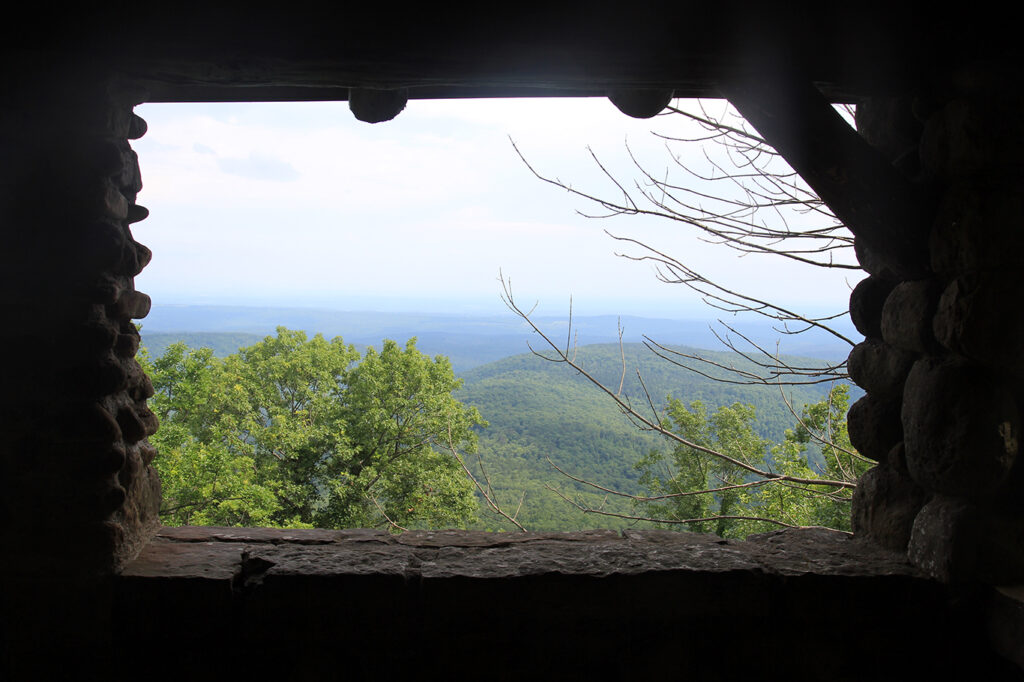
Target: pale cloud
<point x="257" y="167"/>
<point x="286" y="199"/>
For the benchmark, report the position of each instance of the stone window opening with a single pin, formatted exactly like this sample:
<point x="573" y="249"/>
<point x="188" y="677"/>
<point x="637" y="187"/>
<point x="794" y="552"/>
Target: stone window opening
<point x="203" y="149"/>
<point x="79" y="495"/>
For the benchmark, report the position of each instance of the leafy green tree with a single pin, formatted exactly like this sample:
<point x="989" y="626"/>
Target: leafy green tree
<point x="708" y="493"/>
<point x="401" y="416"/>
<point x="298" y="432"/>
<point x="206" y="476"/>
<point x="691" y="485"/>
<point x="817" y="447"/>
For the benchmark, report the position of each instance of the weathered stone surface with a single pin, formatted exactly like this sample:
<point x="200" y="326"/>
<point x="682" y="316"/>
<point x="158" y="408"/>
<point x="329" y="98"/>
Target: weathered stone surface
<point x="885" y="505"/>
<point x="872" y="264"/>
<point x="907" y="316"/>
<point x="147" y="452"/>
<point x="106" y="289"/>
<point x="889" y="125"/>
<point x="641" y="103"/>
<point x="133" y="305"/>
<point x="96" y="380"/>
<point x="137" y="127"/>
<point x="977" y="228"/>
<point x="136" y="422"/>
<point x="969" y="135"/>
<point x="132" y="427"/>
<point x="89" y="422"/>
<point x="127" y="345"/>
<point x="349" y="589"/>
<point x="954" y="540"/>
<point x="96" y="156"/>
<point x="113" y="205"/>
<point x="874" y="426"/>
<point x="89" y="342"/>
<point x="451" y="554"/>
<point x="1005" y="623"/>
<point x="1001" y="548"/>
<point x="140" y="386"/>
<point x="961" y="427"/>
<point x="135" y="258"/>
<point x="136" y="213"/>
<point x="95" y="247"/>
<point x="376" y="106"/>
<point x="879" y="369"/>
<point x="101" y="460"/>
<point x="972" y="320"/>
<point x="944" y="540"/>
<point x="866" y="302"/>
<point x="129" y="180"/>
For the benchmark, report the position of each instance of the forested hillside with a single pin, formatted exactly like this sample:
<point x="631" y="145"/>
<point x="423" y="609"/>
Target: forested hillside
<point x="538" y="410"/>
<point x="542" y="413"/>
<point x="221" y="343"/>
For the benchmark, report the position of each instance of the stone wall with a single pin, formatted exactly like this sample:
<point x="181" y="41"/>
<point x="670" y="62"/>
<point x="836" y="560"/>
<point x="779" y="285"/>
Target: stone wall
<point x="79" y="497"/>
<point x="942" y="362"/>
<point x="78" y="494"/>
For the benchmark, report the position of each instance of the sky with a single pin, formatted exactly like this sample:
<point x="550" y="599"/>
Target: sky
<point x="300" y="204"/>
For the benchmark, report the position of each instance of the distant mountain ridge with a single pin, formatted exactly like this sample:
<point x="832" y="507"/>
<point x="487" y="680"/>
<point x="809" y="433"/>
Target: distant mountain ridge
<point x="469" y="340"/>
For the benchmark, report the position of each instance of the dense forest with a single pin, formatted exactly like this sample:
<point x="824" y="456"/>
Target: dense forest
<point x="539" y="411"/>
<point x="539" y="415"/>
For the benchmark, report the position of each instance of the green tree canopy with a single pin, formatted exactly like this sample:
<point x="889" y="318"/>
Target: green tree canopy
<point x="303" y="432"/>
<point x="689" y="487"/>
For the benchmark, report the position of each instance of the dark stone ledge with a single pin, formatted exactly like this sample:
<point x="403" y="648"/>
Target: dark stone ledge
<point x="217" y="554"/>
<point x="364" y="604"/>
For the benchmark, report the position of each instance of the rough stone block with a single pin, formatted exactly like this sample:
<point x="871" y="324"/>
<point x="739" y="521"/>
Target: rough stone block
<point x="136" y="258"/>
<point x="132" y="305"/>
<point x="126" y="345"/>
<point x="972" y="320"/>
<point x="968" y="136"/>
<point x="97" y="461"/>
<point x="879" y="368"/>
<point x="113" y="204"/>
<point x="140" y="387"/>
<point x="961" y="427"/>
<point x="147" y="452"/>
<point x="885" y="505"/>
<point x="95" y="380"/>
<point x="95" y="247"/>
<point x="137" y="127"/>
<point x="133" y="427"/>
<point x="87" y="423"/>
<point x="907" y="316"/>
<point x="136" y="214"/>
<point x="944" y="540"/>
<point x="874" y="426"/>
<point x="977" y="227"/>
<point x="889" y="125"/>
<point x="129" y="180"/>
<point x="872" y="263"/>
<point x="954" y="540"/>
<point x="866" y="302"/>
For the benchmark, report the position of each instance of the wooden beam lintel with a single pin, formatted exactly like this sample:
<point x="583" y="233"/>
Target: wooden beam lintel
<point x="884" y="210"/>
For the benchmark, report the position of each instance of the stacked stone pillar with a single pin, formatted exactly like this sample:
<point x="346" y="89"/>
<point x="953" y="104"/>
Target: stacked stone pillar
<point x="943" y="359"/>
<point x="78" y="496"/>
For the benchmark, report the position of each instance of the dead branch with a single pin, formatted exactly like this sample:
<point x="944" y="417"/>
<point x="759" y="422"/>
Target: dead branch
<point x="586" y="509"/>
<point x="655" y="424"/>
<point x="488" y="493"/>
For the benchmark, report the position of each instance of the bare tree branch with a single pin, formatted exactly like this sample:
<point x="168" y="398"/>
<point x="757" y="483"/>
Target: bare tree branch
<point x="653" y="425"/>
